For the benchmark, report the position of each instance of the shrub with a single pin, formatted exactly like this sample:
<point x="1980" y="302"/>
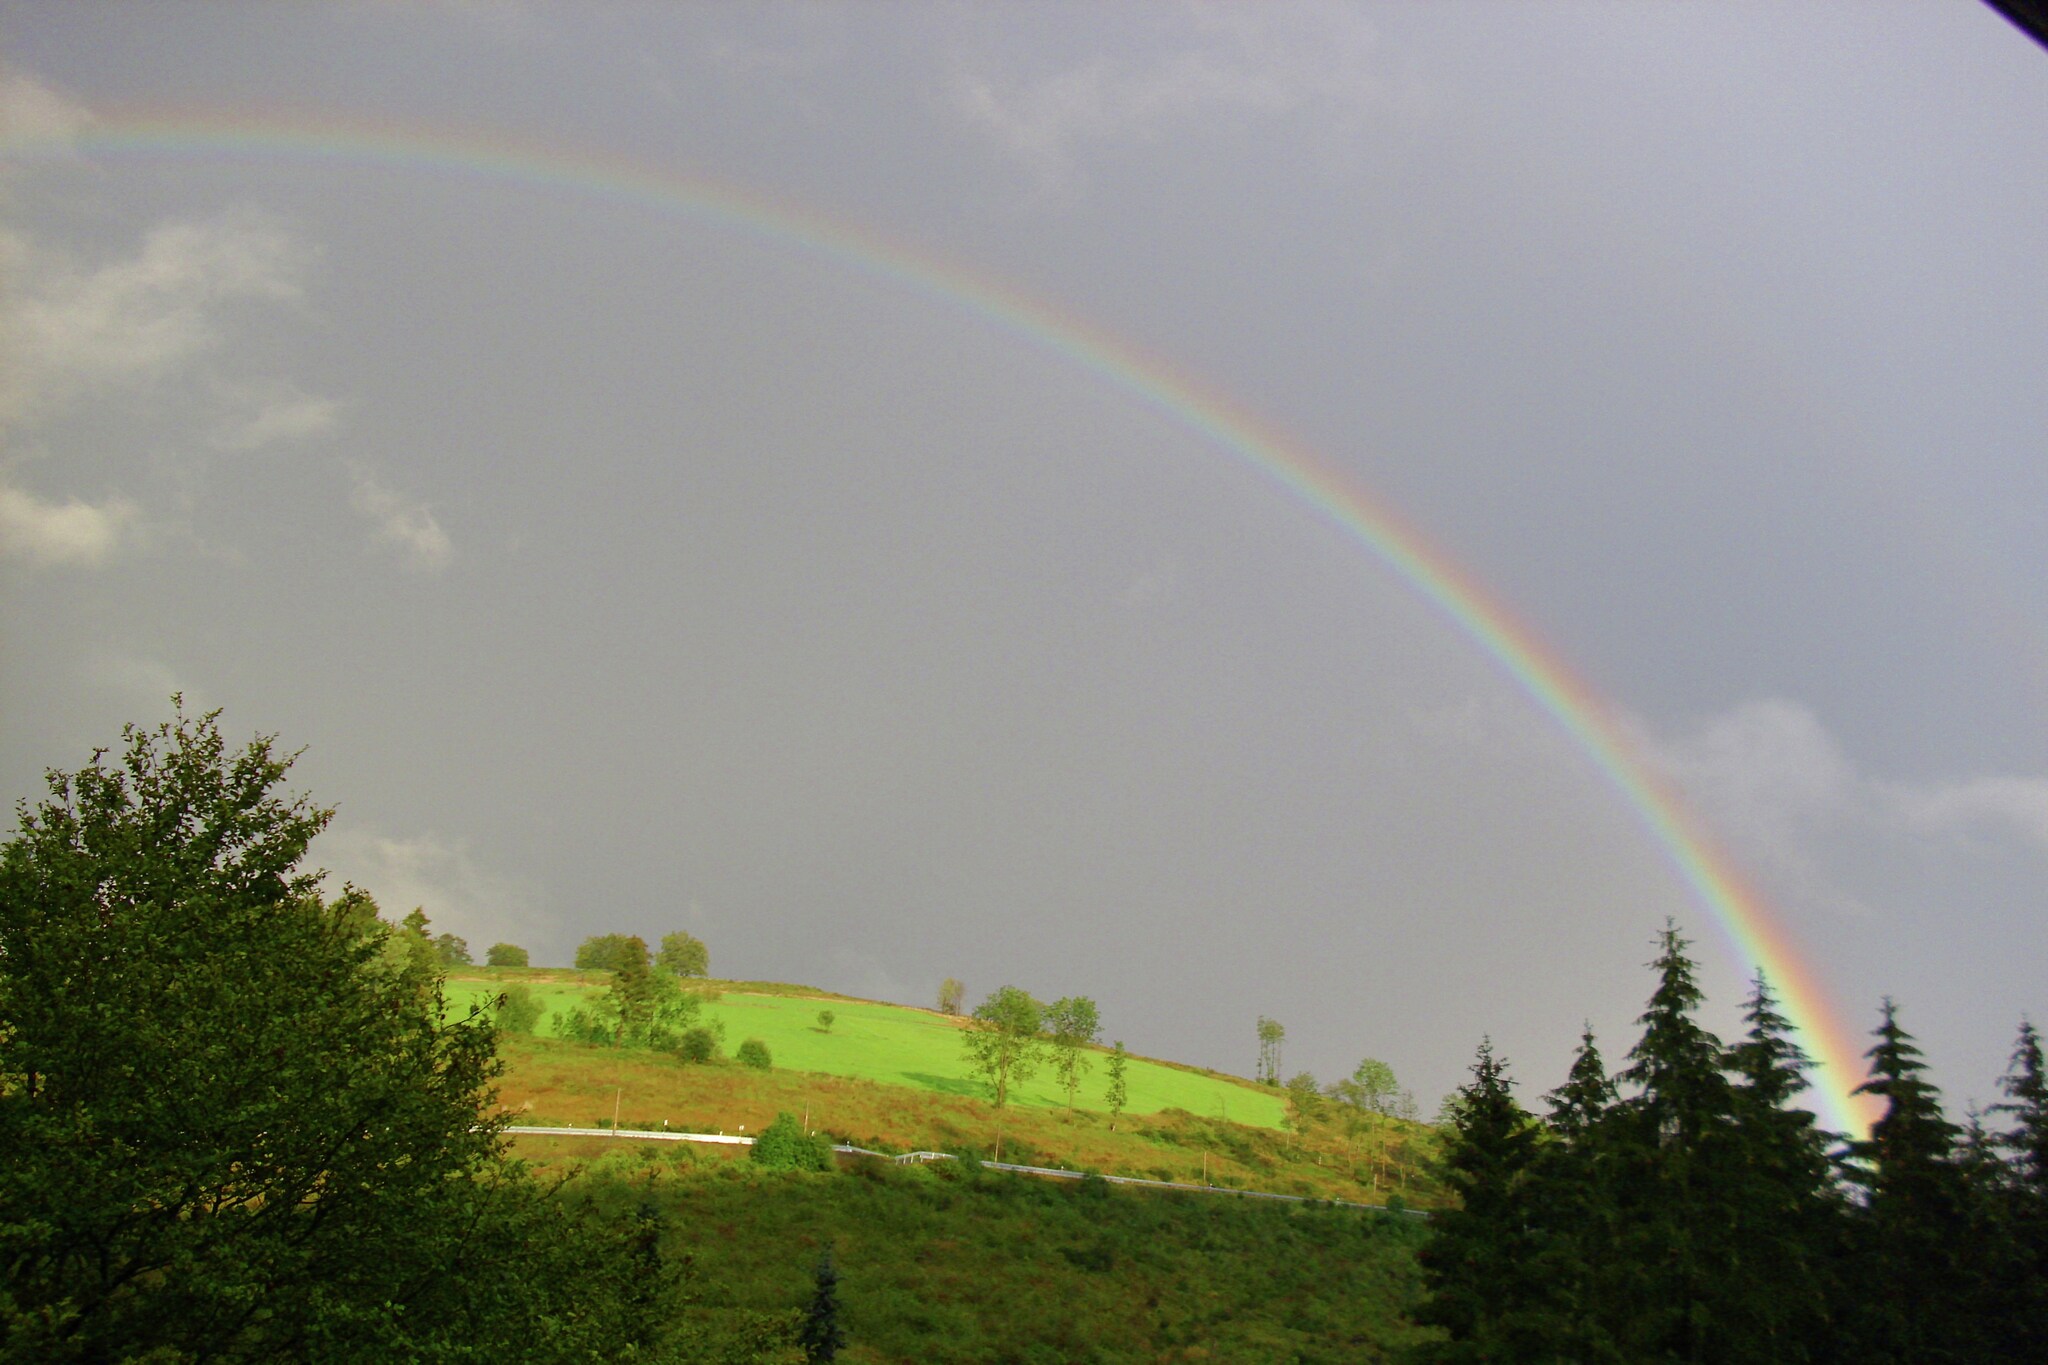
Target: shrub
<point x="754" y="1053"/>
<point x="784" y="1146"/>
<point x="519" y="1010"/>
<point x="825" y="1018"/>
<point x="698" y="1045"/>
<point x="506" y="955"/>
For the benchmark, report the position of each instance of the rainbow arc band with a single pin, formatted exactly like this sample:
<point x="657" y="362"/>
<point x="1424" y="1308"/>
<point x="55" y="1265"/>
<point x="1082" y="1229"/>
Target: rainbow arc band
<point x="1752" y="930"/>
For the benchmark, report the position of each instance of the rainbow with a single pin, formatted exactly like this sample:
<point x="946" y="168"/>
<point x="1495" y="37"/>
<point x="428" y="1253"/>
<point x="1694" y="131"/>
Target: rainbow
<point x="1292" y="469"/>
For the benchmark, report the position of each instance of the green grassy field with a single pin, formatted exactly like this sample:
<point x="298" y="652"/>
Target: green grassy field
<point x="897" y="1045"/>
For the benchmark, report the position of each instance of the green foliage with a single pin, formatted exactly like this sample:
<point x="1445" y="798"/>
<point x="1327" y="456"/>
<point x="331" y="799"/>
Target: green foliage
<point x="1003" y="1045"/>
<point x="505" y="955"/>
<point x="697" y="1045"/>
<point x="1784" y="1208"/>
<point x="951" y="996"/>
<point x="451" y="951"/>
<point x="519" y="1009"/>
<point x="1370" y="1089"/>
<point x="1119" y="1092"/>
<point x="1478" y="1261"/>
<point x="1073" y="1023"/>
<point x="605" y="952"/>
<point x="825" y="1018"/>
<point x="1306" y="1096"/>
<point x="956" y="1267"/>
<point x="784" y="1146"/>
<point x="821" y="1336"/>
<point x="235" y="1122"/>
<point x="1914" y="1218"/>
<point x="1272" y="1033"/>
<point x="639" y="1008"/>
<point x="754" y="1053"/>
<point x="683" y="955"/>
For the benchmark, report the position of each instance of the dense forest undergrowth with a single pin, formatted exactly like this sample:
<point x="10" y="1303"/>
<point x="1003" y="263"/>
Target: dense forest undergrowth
<point x="946" y="1264"/>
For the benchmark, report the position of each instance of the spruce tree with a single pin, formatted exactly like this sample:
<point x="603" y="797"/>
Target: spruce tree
<point x="2024" y="1195"/>
<point x="1572" y="1193"/>
<point x="1913" y="1291"/>
<point x="1482" y="1280"/>
<point x="820" y="1334"/>
<point x="1787" y="1216"/>
<point x="1674" y="1154"/>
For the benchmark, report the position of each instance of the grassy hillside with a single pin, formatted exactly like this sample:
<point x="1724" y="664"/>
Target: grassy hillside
<point x="898" y="1045"/>
<point x="941" y="1265"/>
<point x="914" y="1096"/>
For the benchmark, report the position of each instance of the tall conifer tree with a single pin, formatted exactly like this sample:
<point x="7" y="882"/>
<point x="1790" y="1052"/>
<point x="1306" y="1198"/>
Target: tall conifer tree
<point x="1913" y="1290"/>
<point x="1787" y="1218"/>
<point x="2024" y="1196"/>
<point x="1573" y="1194"/>
<point x="1674" y="1141"/>
<point x="1477" y="1265"/>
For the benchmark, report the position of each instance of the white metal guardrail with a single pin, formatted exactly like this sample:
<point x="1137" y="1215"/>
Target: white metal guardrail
<point x="1048" y="1172"/>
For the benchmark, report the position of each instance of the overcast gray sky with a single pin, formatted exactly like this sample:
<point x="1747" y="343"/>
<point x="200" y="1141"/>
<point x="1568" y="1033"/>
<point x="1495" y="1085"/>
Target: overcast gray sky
<point x="624" y="568"/>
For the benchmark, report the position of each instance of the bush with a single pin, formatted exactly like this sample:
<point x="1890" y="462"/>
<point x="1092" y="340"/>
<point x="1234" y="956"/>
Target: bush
<point x="506" y="955"/>
<point x="784" y="1146"/>
<point x="519" y="1010"/>
<point x="754" y="1053"/>
<point x="698" y="1045"/>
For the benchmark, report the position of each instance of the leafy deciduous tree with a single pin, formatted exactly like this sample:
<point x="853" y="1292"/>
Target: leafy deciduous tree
<point x="1073" y="1024"/>
<point x="235" y="1126"/>
<point x="1271" y="1034"/>
<point x="1003" y="1042"/>
<point x="506" y="955"/>
<point x="604" y="952"/>
<point x="683" y="954"/>
<point x="1118" y="1094"/>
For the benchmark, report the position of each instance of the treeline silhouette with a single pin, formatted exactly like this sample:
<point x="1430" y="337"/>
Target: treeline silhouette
<point x="1686" y="1209"/>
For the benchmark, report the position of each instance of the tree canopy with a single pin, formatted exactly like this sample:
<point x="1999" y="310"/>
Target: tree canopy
<point x="1003" y="1044"/>
<point x="683" y="954"/>
<point x="235" y="1122"/>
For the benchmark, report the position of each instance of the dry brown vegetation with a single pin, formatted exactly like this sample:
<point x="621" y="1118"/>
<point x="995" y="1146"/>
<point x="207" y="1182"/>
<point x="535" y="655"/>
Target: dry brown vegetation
<point x="550" y="1082"/>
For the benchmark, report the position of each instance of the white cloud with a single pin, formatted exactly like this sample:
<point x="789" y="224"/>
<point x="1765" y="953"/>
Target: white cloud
<point x="2018" y="805"/>
<point x="1233" y="60"/>
<point x="31" y="112"/>
<point x="408" y="524"/>
<point x="269" y="413"/>
<point x="139" y="317"/>
<point x="46" y="534"/>
<point x="1777" y="787"/>
<point x="458" y="893"/>
<point x="1762" y="768"/>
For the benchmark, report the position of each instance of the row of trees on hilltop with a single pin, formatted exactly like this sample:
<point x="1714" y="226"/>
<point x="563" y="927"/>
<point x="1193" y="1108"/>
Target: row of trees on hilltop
<point x="1687" y="1209"/>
